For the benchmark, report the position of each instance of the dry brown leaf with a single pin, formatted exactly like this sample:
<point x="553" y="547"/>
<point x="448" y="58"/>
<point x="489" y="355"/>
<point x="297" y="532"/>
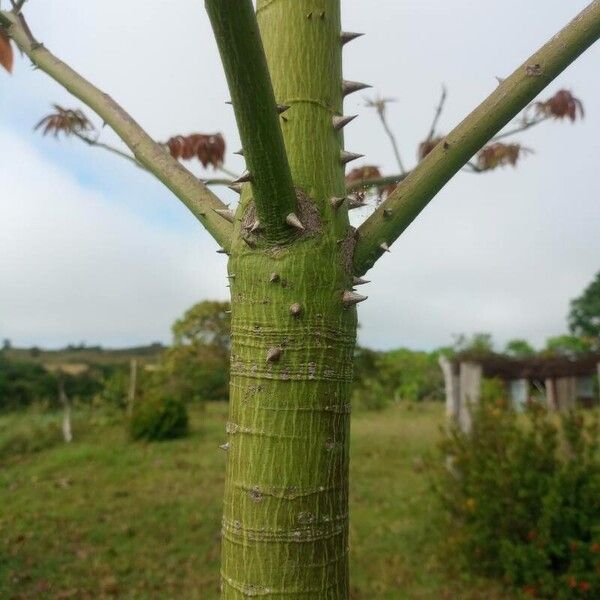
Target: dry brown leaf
<point x="6" y="52"/>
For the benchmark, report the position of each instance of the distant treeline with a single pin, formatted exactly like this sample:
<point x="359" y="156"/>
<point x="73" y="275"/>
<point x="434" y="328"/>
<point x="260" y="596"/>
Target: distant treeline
<point x="24" y="383"/>
<point x="195" y="367"/>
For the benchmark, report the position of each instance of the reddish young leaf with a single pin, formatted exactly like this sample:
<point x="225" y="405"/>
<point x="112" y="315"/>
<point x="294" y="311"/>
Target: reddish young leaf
<point x="500" y="155"/>
<point x="364" y="172"/>
<point x="6" y="52"/>
<point x="64" y="120"/>
<point x="209" y="149"/>
<point x="562" y="105"/>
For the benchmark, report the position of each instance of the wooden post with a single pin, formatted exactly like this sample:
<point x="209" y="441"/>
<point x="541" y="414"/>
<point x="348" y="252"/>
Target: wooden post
<point x="551" y="401"/>
<point x="470" y="392"/>
<point x="132" y="386"/>
<point x="451" y="385"/>
<point x="64" y="399"/>
<point x="566" y="393"/>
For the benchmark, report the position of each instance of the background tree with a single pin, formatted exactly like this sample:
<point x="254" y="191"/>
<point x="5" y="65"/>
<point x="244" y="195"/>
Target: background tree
<point x="519" y="348"/>
<point x="584" y="316"/>
<point x="196" y="365"/>
<point x="567" y="345"/>
<point x="294" y="262"/>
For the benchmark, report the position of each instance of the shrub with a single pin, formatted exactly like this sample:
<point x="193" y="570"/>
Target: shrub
<point x="159" y="418"/>
<point x="523" y="498"/>
<point x="27" y="434"/>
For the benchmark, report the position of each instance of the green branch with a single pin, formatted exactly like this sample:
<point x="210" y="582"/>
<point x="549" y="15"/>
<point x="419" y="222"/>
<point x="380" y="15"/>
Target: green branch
<point x="240" y="45"/>
<point x="402" y="207"/>
<point x="361" y="184"/>
<point x="148" y="153"/>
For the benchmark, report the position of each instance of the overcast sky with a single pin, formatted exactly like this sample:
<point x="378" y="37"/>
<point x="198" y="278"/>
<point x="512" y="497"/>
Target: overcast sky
<point x="94" y="250"/>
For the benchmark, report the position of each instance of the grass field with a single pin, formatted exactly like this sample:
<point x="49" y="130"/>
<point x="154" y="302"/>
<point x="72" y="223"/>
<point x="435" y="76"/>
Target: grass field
<point x="109" y="518"/>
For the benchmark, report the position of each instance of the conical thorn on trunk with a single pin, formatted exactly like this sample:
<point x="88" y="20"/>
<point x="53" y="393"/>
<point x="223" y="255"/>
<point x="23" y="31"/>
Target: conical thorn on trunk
<point x="239" y="152"/>
<point x="293" y="221"/>
<point x="274" y="278"/>
<point x="295" y="310"/>
<point x="281" y="108"/>
<point x="244" y="177"/>
<point x="384" y="247"/>
<point x="340" y="121"/>
<point x="224" y="446"/>
<point x="351" y="298"/>
<point x="349" y="87"/>
<point x="236" y="187"/>
<point x="347" y="157"/>
<point x="348" y="36"/>
<point x="359" y="281"/>
<point x="255" y="226"/>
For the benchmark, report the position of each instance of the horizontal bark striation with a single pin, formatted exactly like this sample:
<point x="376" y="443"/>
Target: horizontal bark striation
<point x="285" y="523"/>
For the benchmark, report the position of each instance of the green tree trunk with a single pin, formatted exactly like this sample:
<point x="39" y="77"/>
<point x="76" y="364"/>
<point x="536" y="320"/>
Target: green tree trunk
<point x="285" y="524"/>
<point x="293" y="261"/>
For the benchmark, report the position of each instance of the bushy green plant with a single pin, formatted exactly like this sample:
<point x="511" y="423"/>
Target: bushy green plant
<point x="27" y="434"/>
<point x="158" y="418"/>
<point x="523" y="498"/>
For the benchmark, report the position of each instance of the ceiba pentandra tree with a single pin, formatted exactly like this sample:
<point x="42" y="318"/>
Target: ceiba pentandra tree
<point x="294" y="264"/>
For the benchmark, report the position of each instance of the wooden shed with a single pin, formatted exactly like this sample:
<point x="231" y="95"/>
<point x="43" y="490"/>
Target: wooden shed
<point x="562" y="382"/>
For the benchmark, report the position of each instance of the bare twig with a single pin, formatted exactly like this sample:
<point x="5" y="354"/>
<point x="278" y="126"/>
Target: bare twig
<point x="379" y="105"/>
<point x="438" y="113"/>
<point x="525" y="125"/>
<point x="97" y="144"/>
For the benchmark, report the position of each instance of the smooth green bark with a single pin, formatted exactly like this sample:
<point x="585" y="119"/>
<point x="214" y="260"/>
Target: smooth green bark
<point x="285" y="525"/>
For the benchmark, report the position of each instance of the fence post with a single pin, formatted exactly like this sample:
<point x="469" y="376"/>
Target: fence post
<point x="551" y="400"/>
<point x="451" y="386"/>
<point x="470" y="392"/>
<point x="132" y="386"/>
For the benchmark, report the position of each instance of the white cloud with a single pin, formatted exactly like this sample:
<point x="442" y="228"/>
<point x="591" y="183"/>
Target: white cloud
<point x="502" y="252"/>
<point x="74" y="266"/>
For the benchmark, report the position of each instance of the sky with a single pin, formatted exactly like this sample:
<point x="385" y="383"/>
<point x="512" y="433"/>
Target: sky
<point x="94" y="250"/>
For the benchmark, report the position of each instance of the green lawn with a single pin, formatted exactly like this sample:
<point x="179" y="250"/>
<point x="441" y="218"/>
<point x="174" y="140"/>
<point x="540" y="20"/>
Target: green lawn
<point x="109" y="518"/>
